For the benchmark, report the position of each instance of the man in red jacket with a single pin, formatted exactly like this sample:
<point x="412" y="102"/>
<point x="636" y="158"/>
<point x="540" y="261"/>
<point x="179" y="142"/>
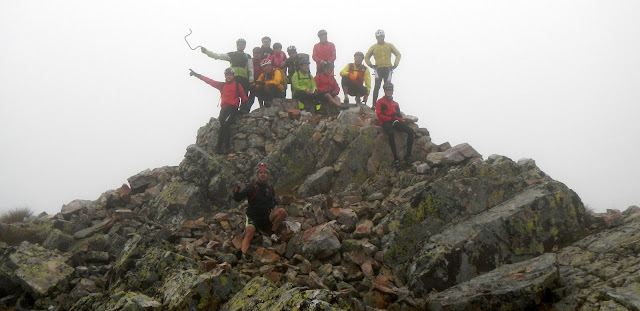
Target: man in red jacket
<point x="390" y="118"/>
<point x="328" y="87"/>
<point x="323" y="51"/>
<point x="232" y="94"/>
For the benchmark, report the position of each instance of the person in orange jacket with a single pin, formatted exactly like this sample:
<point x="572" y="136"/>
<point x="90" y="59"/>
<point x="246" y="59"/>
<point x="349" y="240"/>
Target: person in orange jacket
<point x="269" y="85"/>
<point x="231" y="95"/>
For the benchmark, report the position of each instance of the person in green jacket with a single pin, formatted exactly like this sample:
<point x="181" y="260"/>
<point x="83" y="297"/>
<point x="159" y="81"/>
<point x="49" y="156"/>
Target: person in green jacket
<point x="304" y="88"/>
<point x="241" y="63"/>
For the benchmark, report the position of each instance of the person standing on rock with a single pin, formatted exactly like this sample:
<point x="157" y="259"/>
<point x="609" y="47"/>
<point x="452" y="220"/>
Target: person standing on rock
<point x="261" y="215"/>
<point x="241" y="63"/>
<point x="232" y="94"/>
<point x="390" y="118"/>
<point x="323" y="51"/>
<point x="383" y="69"/>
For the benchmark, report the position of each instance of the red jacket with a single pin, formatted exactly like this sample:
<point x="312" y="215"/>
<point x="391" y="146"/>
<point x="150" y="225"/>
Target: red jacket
<point x="322" y="52"/>
<point x="228" y="91"/>
<point x="387" y="110"/>
<point x="326" y="83"/>
<point x="257" y="70"/>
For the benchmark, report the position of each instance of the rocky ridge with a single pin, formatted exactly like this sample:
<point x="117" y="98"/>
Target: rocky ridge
<point x="449" y="232"/>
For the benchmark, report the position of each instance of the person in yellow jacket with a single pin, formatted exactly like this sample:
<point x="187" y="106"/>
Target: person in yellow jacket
<point x="269" y="85"/>
<point x="381" y="52"/>
<point x="356" y="79"/>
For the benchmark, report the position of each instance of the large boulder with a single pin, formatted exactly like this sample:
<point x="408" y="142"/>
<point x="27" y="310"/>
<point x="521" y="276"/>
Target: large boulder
<point x="36" y="269"/>
<point x="261" y="294"/>
<point x="521" y="286"/>
<point x="317" y="183"/>
<point x="320" y="241"/>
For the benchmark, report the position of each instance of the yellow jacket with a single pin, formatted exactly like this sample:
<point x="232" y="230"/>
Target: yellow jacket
<point x="275" y="79"/>
<point x="382" y="54"/>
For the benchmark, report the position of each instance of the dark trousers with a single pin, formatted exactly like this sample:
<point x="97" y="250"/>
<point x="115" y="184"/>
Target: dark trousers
<point x="226" y="118"/>
<point x="383" y="74"/>
<point x="354" y="89"/>
<point x="244" y="82"/>
<point x="308" y="100"/>
<point x="266" y="93"/>
<point x="389" y="128"/>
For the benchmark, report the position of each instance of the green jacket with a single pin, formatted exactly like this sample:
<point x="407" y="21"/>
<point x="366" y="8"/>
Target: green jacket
<point x="302" y="81"/>
<point x="245" y="70"/>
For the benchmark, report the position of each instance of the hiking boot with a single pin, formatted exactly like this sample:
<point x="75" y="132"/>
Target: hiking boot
<point x="274" y="238"/>
<point x="408" y="159"/>
<point x="396" y="164"/>
<point x="358" y="101"/>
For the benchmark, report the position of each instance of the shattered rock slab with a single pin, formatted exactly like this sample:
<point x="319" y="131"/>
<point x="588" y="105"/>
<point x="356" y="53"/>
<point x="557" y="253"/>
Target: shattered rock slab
<point x="520" y="286"/>
<point x="36" y="269"/>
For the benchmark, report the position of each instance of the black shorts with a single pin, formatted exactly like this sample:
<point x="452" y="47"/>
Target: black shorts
<point x="261" y="224"/>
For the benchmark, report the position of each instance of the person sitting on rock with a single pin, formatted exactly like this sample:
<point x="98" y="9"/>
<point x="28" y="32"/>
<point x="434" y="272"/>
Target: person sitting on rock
<point x="269" y="85"/>
<point x="390" y="118"/>
<point x="262" y="214"/>
<point x="231" y="95"/>
<point x="328" y="86"/>
<point x="303" y="87"/>
<point x="354" y="75"/>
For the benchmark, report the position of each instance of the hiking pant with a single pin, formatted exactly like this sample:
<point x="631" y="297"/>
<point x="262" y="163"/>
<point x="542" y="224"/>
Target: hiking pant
<point x="244" y="82"/>
<point x="226" y="118"/>
<point x="266" y="93"/>
<point x="383" y="74"/>
<point x="388" y="128"/>
<point x="354" y="89"/>
<point x="310" y="101"/>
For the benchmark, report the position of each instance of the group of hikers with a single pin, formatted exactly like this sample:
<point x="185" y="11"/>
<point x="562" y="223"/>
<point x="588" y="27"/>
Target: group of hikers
<point x="267" y="74"/>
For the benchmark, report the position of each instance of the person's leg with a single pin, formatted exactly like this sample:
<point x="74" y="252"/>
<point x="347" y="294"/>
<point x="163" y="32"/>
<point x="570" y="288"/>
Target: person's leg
<point x="402" y="126"/>
<point x="277" y="216"/>
<point x="376" y="88"/>
<point x="345" y="82"/>
<point x="249" y="231"/>
<point x="388" y="130"/>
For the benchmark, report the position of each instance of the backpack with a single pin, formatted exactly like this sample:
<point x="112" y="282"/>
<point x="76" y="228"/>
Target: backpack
<point x="256" y="189"/>
<point x="238" y="59"/>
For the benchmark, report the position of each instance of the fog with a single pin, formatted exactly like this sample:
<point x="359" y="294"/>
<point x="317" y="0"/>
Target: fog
<point x="92" y="93"/>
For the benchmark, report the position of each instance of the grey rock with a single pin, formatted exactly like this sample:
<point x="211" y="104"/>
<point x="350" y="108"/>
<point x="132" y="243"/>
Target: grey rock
<point x="36" y="269"/>
<point x="317" y="183"/>
<point x="521" y="286"/>
<point x="320" y="241"/>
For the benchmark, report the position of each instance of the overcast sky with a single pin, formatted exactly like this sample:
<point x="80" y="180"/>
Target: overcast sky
<point x="93" y="92"/>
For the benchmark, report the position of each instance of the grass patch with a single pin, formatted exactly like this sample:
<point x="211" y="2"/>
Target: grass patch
<point x="18" y="214"/>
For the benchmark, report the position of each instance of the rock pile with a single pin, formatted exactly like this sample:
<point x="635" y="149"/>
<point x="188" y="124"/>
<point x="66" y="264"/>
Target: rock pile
<point x="450" y="232"/>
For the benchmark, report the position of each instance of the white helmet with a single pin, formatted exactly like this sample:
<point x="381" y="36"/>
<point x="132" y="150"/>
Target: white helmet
<point x="380" y="33"/>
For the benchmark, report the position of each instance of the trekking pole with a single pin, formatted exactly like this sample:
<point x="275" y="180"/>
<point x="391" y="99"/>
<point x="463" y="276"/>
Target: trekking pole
<point x="185" y="40"/>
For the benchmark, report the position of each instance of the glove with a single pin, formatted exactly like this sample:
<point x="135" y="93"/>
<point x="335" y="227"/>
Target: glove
<point x="193" y="73"/>
<point x="364" y="100"/>
<point x="203" y="49"/>
<point x="236" y="189"/>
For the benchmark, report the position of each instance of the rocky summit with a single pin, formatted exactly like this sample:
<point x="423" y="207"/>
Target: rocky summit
<point x="450" y="231"/>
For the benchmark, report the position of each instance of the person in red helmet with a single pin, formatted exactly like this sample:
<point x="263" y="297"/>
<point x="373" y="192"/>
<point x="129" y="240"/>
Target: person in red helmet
<point x="323" y="51"/>
<point x="269" y="85"/>
<point x="262" y="214"/>
<point x="231" y="95"/>
<point x="390" y="119"/>
<point x="356" y="79"/>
